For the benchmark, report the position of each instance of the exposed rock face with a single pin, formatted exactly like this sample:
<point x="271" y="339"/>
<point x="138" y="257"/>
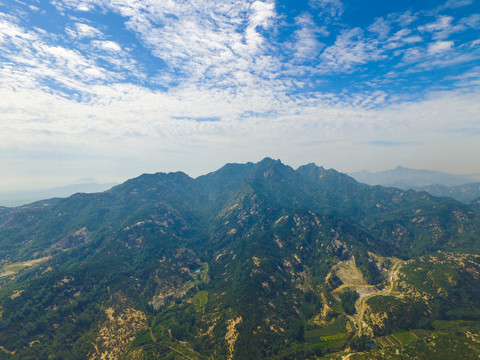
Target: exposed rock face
<point x="116" y="332"/>
<point x="232" y="335"/>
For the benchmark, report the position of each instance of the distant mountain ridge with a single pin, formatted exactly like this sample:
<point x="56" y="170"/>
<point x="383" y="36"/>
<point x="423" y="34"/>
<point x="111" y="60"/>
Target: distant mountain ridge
<point x="464" y="188"/>
<point x="406" y="178"/>
<point x="18" y="198"/>
<point x="463" y="193"/>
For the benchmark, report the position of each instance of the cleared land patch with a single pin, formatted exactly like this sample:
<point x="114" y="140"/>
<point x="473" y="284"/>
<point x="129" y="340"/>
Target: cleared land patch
<point x="348" y="272"/>
<point x="352" y="279"/>
<point x="12" y="269"/>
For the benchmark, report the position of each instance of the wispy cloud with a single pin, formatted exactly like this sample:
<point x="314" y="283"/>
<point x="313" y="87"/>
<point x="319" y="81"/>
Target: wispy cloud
<point x="232" y="44"/>
<point x="452" y="4"/>
<point x="83" y="31"/>
<point x="333" y="8"/>
<point x="36" y="58"/>
<point x="381" y="27"/>
<point x="107" y="45"/>
<point x="445" y="26"/>
<point x="307" y="45"/>
<point x="198" y="119"/>
<point x="387" y="143"/>
<point x="84" y="6"/>
<point x="441" y="24"/>
<point x="440" y="46"/>
<point x="351" y="49"/>
<point x="261" y="16"/>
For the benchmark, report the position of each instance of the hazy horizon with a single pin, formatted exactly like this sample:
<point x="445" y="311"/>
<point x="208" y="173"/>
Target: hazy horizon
<point x="112" y="182"/>
<point x="113" y="89"/>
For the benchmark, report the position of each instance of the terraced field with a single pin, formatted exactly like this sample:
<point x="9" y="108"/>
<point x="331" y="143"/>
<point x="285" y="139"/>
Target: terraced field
<point x="399" y="338"/>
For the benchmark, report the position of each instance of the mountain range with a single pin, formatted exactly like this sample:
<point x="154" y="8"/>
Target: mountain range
<point x="402" y="178"/>
<point x="18" y="198"/>
<point x="464" y="188"/>
<point x="252" y="261"/>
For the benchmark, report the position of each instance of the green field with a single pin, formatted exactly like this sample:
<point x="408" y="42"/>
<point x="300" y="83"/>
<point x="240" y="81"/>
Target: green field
<point x="399" y="338"/>
<point x="405" y="336"/>
<point x="314" y="332"/>
<point x="12" y="269"/>
<point x="200" y="300"/>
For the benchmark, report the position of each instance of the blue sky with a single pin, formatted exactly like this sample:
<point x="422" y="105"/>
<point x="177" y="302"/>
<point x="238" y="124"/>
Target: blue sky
<point x="113" y="88"/>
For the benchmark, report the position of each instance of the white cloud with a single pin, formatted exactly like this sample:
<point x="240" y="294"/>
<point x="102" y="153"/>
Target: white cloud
<point x="403" y="19"/>
<point x="84" y="31"/>
<point x="438" y="55"/>
<point x="10" y="30"/>
<point x="226" y="41"/>
<point x="262" y="14"/>
<point x="43" y="63"/>
<point x="84" y="6"/>
<point x="350" y="49"/>
<point x="412" y="39"/>
<point x="457" y="3"/>
<point x="401" y="34"/>
<point x="442" y="23"/>
<point x="107" y="45"/>
<point x="381" y="27"/>
<point x="334" y="8"/>
<point x="204" y="40"/>
<point x="472" y="21"/>
<point x="440" y="46"/>
<point x="306" y="43"/>
<point x="401" y="38"/>
<point x="126" y="122"/>
<point x="470" y="79"/>
<point x="444" y="28"/>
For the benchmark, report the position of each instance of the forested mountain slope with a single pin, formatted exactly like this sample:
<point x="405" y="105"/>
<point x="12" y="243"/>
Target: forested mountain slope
<point x="253" y="261"/>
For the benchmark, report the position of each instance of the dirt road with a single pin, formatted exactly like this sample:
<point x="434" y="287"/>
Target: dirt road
<point x="353" y="279"/>
<point x="392" y="277"/>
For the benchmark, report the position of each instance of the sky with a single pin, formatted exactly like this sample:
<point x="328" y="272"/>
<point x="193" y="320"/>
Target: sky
<point x="111" y="89"/>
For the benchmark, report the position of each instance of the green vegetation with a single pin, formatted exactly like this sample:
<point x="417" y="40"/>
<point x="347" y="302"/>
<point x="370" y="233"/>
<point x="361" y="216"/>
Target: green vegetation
<point x="440" y="345"/>
<point x="402" y="314"/>
<point x="405" y="336"/>
<point x="200" y="300"/>
<point x="398" y="339"/>
<point x="348" y="299"/>
<point x="234" y="265"/>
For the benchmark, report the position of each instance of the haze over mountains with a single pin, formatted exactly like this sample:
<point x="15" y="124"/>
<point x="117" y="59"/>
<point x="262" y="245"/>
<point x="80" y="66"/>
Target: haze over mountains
<point x="17" y="198"/>
<point x="463" y="188"/>
<point x="252" y="261"/>
<point x="402" y="178"/>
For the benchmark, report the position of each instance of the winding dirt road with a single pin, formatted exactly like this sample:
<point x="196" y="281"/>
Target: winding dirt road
<point x="388" y="290"/>
<point x="353" y="280"/>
